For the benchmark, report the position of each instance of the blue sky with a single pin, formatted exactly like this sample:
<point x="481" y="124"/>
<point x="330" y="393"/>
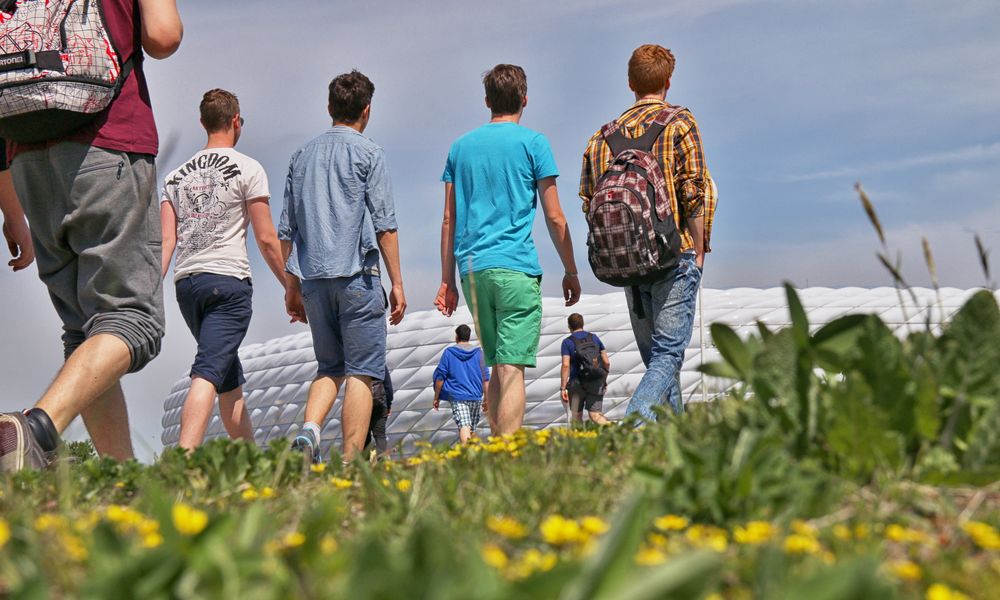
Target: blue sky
<point x="797" y="100"/>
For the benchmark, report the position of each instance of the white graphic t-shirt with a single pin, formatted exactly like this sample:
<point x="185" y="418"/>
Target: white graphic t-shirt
<point x="210" y="193"/>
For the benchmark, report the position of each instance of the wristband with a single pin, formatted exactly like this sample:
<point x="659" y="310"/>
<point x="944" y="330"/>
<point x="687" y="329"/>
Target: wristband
<point x="568" y="274"/>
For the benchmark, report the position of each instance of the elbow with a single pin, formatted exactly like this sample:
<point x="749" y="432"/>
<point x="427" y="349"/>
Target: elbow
<point x="162" y="42"/>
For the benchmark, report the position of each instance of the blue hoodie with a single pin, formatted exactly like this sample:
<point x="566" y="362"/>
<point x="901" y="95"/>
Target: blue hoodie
<point x="463" y="371"/>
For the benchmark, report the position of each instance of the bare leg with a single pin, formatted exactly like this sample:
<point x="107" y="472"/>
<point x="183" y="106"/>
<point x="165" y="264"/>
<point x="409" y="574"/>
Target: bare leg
<point x="93" y="368"/>
<point x="598" y="417"/>
<point x="575" y="410"/>
<point x="357" y="414"/>
<point x="509" y="413"/>
<point x="322" y="394"/>
<point x="107" y="423"/>
<point x="197" y="411"/>
<point x="493" y="400"/>
<point x="235" y="416"/>
<point x="464" y="433"/>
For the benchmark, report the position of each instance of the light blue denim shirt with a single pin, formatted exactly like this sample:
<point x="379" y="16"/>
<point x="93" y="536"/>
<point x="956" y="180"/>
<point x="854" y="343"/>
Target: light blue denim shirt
<point x="337" y="198"/>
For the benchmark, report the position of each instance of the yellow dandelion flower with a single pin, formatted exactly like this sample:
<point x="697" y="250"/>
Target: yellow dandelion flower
<point x="328" y="545"/>
<point x="805" y="529"/>
<point x="87" y="522"/>
<point x="842" y="532"/>
<point x="984" y="535"/>
<point x="152" y="540"/>
<point x="343" y="484"/>
<point x="657" y="540"/>
<point x="74" y="547"/>
<point x="317" y="467"/>
<point x="250" y="494"/>
<point x="4" y="532"/>
<point x="189" y="520"/>
<point x="559" y="531"/>
<point x="404" y="485"/>
<point x="905" y="535"/>
<point x="648" y="557"/>
<point x="905" y="570"/>
<point x="267" y="492"/>
<point x="119" y="485"/>
<point x="494" y="556"/>
<point x="293" y="539"/>
<point x="594" y="525"/>
<point x="754" y="533"/>
<point x="670" y="523"/>
<point x="862" y="531"/>
<point x="507" y="527"/>
<point x="801" y="544"/>
<point x="939" y="591"/>
<point x="49" y="522"/>
<point x="706" y="536"/>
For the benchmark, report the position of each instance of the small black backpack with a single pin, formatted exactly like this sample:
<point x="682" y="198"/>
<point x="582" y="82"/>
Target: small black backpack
<point x="587" y="354"/>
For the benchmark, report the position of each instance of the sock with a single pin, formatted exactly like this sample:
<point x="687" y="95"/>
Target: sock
<point x="42" y="428"/>
<point x="314" y="428"/>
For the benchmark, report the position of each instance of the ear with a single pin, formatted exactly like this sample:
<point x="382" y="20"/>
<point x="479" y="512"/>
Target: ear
<point x="666" y="88"/>
<point x="525" y="102"/>
<point x="367" y="112"/>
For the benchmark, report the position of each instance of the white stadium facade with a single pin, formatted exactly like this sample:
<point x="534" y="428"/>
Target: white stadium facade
<point x="279" y="371"/>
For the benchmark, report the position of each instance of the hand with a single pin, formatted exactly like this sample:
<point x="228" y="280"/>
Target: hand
<point x="699" y="260"/>
<point x="571" y="289"/>
<point x="447" y="298"/>
<point x="564" y="394"/>
<point x="436" y="403"/>
<point x="397" y="305"/>
<point x="18" y="238"/>
<point x="486" y="407"/>
<point x="293" y="301"/>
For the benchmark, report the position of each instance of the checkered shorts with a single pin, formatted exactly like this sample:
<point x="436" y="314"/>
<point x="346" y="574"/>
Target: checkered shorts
<point x="467" y="413"/>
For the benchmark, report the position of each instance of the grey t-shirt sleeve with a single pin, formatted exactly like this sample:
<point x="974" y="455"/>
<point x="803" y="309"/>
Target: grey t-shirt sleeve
<point x="378" y="194"/>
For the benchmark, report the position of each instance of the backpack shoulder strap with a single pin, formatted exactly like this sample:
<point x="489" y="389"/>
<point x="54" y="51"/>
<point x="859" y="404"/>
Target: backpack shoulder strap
<point x="618" y="143"/>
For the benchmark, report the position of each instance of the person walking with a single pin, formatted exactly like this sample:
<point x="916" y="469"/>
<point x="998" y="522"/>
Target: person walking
<point x="462" y="379"/>
<point x="206" y="206"/>
<point x="493" y="178"/>
<point x="584" y="374"/>
<point x="656" y="149"/>
<point x="338" y="216"/>
<point x="382" y="394"/>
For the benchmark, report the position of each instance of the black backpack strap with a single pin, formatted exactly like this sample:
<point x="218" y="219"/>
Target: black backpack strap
<point x="618" y="143"/>
<point x="637" y="303"/>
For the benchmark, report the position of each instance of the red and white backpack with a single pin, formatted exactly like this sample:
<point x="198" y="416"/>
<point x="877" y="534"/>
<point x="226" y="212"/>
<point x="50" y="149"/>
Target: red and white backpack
<point x="59" y="67"/>
<point x="633" y="238"/>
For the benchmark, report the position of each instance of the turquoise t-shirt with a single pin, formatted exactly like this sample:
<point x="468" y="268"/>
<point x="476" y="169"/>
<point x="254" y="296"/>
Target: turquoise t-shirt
<point x="495" y="170"/>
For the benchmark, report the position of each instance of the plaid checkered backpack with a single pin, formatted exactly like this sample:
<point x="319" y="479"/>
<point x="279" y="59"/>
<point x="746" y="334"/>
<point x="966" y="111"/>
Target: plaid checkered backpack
<point x="59" y="67"/>
<point x="633" y="238"/>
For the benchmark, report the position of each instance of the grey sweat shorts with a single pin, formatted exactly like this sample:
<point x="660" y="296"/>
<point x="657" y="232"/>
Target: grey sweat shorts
<point x="96" y="229"/>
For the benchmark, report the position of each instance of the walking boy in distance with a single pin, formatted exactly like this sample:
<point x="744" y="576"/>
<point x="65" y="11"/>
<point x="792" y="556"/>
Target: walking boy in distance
<point x="339" y="214"/>
<point x="461" y="378"/>
<point x="681" y="208"/>
<point x="584" y="374"/>
<point x="205" y="209"/>
<point x="493" y="178"/>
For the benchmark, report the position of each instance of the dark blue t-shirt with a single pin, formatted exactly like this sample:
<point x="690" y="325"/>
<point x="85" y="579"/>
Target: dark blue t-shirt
<point x="568" y="347"/>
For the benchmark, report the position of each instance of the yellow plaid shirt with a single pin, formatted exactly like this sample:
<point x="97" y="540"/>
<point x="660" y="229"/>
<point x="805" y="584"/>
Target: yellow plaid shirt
<point x="681" y="156"/>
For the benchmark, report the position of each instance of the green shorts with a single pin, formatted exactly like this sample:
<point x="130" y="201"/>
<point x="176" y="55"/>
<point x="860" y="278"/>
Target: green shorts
<point x="507" y="307"/>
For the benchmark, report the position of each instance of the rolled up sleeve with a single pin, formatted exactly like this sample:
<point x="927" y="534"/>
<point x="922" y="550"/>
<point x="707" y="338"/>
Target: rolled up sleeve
<point x="378" y="194"/>
<point x="287" y="226"/>
<point x="692" y="179"/>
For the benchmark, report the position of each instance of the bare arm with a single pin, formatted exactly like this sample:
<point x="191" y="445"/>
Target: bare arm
<point x="564" y="379"/>
<point x="447" y="296"/>
<point x="293" y="288"/>
<point x="555" y="220"/>
<point x="388" y="243"/>
<point x="168" y="225"/>
<point x="696" y="225"/>
<point x="267" y="237"/>
<point x="606" y="360"/>
<point x="162" y="29"/>
<point x="15" y="227"/>
<point x="437" y="392"/>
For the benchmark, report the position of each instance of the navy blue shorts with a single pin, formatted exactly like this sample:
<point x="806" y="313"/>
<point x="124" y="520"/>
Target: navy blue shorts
<point x="347" y="319"/>
<point x="217" y="310"/>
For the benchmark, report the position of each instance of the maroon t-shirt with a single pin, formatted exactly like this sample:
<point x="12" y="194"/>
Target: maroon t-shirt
<point x="127" y="125"/>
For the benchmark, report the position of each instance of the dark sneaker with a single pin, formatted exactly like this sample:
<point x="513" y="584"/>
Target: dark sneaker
<point x="306" y="443"/>
<point x="18" y="447"/>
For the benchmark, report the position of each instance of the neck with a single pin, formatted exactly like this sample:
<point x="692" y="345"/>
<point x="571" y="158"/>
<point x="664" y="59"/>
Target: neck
<point x="577" y="330"/>
<point x="515" y="118"/>
<point x="659" y="96"/>
<point x="356" y="125"/>
<point x="222" y="139"/>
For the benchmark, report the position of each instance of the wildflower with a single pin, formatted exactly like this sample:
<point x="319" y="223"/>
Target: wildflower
<point x="189" y="520"/>
<point x="404" y="485"/>
<point x="267" y="492"/>
<point x="905" y="535"/>
<point x="293" y="539"/>
<point x="507" y="527"/>
<point x="801" y="544"/>
<point x="119" y="485"/>
<point x="842" y="532"/>
<point x="4" y="532"/>
<point x="804" y="529"/>
<point x="657" y="540"/>
<point x="984" y="535"/>
<point x="152" y="540"/>
<point x="414" y="461"/>
<point x="317" y="467"/>
<point x="939" y="591"/>
<point x="905" y="570"/>
<point x="648" y="557"/>
<point x="328" y="545"/>
<point x="594" y="525"/>
<point x="250" y="493"/>
<point x="861" y="531"/>
<point x="754" y="533"/>
<point x="533" y="561"/>
<point x="494" y="556"/>
<point x="50" y="521"/>
<point x="558" y="531"/>
<point x="671" y="523"/>
<point x="705" y="536"/>
<point x="343" y="484"/>
<point x="74" y="547"/>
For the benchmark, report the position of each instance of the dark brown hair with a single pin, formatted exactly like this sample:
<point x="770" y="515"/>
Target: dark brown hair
<point x="463" y="333"/>
<point x="218" y="108"/>
<point x="575" y="321"/>
<point x="506" y="86"/>
<point x="350" y="93"/>
<point x="650" y="68"/>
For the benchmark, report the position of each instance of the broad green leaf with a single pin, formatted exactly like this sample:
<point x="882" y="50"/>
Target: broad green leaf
<point x="800" y="322"/>
<point x="732" y="349"/>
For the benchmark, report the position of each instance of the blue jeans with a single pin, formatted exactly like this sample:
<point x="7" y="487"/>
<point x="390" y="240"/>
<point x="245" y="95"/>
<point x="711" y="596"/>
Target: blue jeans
<point x="662" y="336"/>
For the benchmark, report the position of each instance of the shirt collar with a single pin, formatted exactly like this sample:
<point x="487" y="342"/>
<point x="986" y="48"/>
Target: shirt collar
<point x="645" y="102"/>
